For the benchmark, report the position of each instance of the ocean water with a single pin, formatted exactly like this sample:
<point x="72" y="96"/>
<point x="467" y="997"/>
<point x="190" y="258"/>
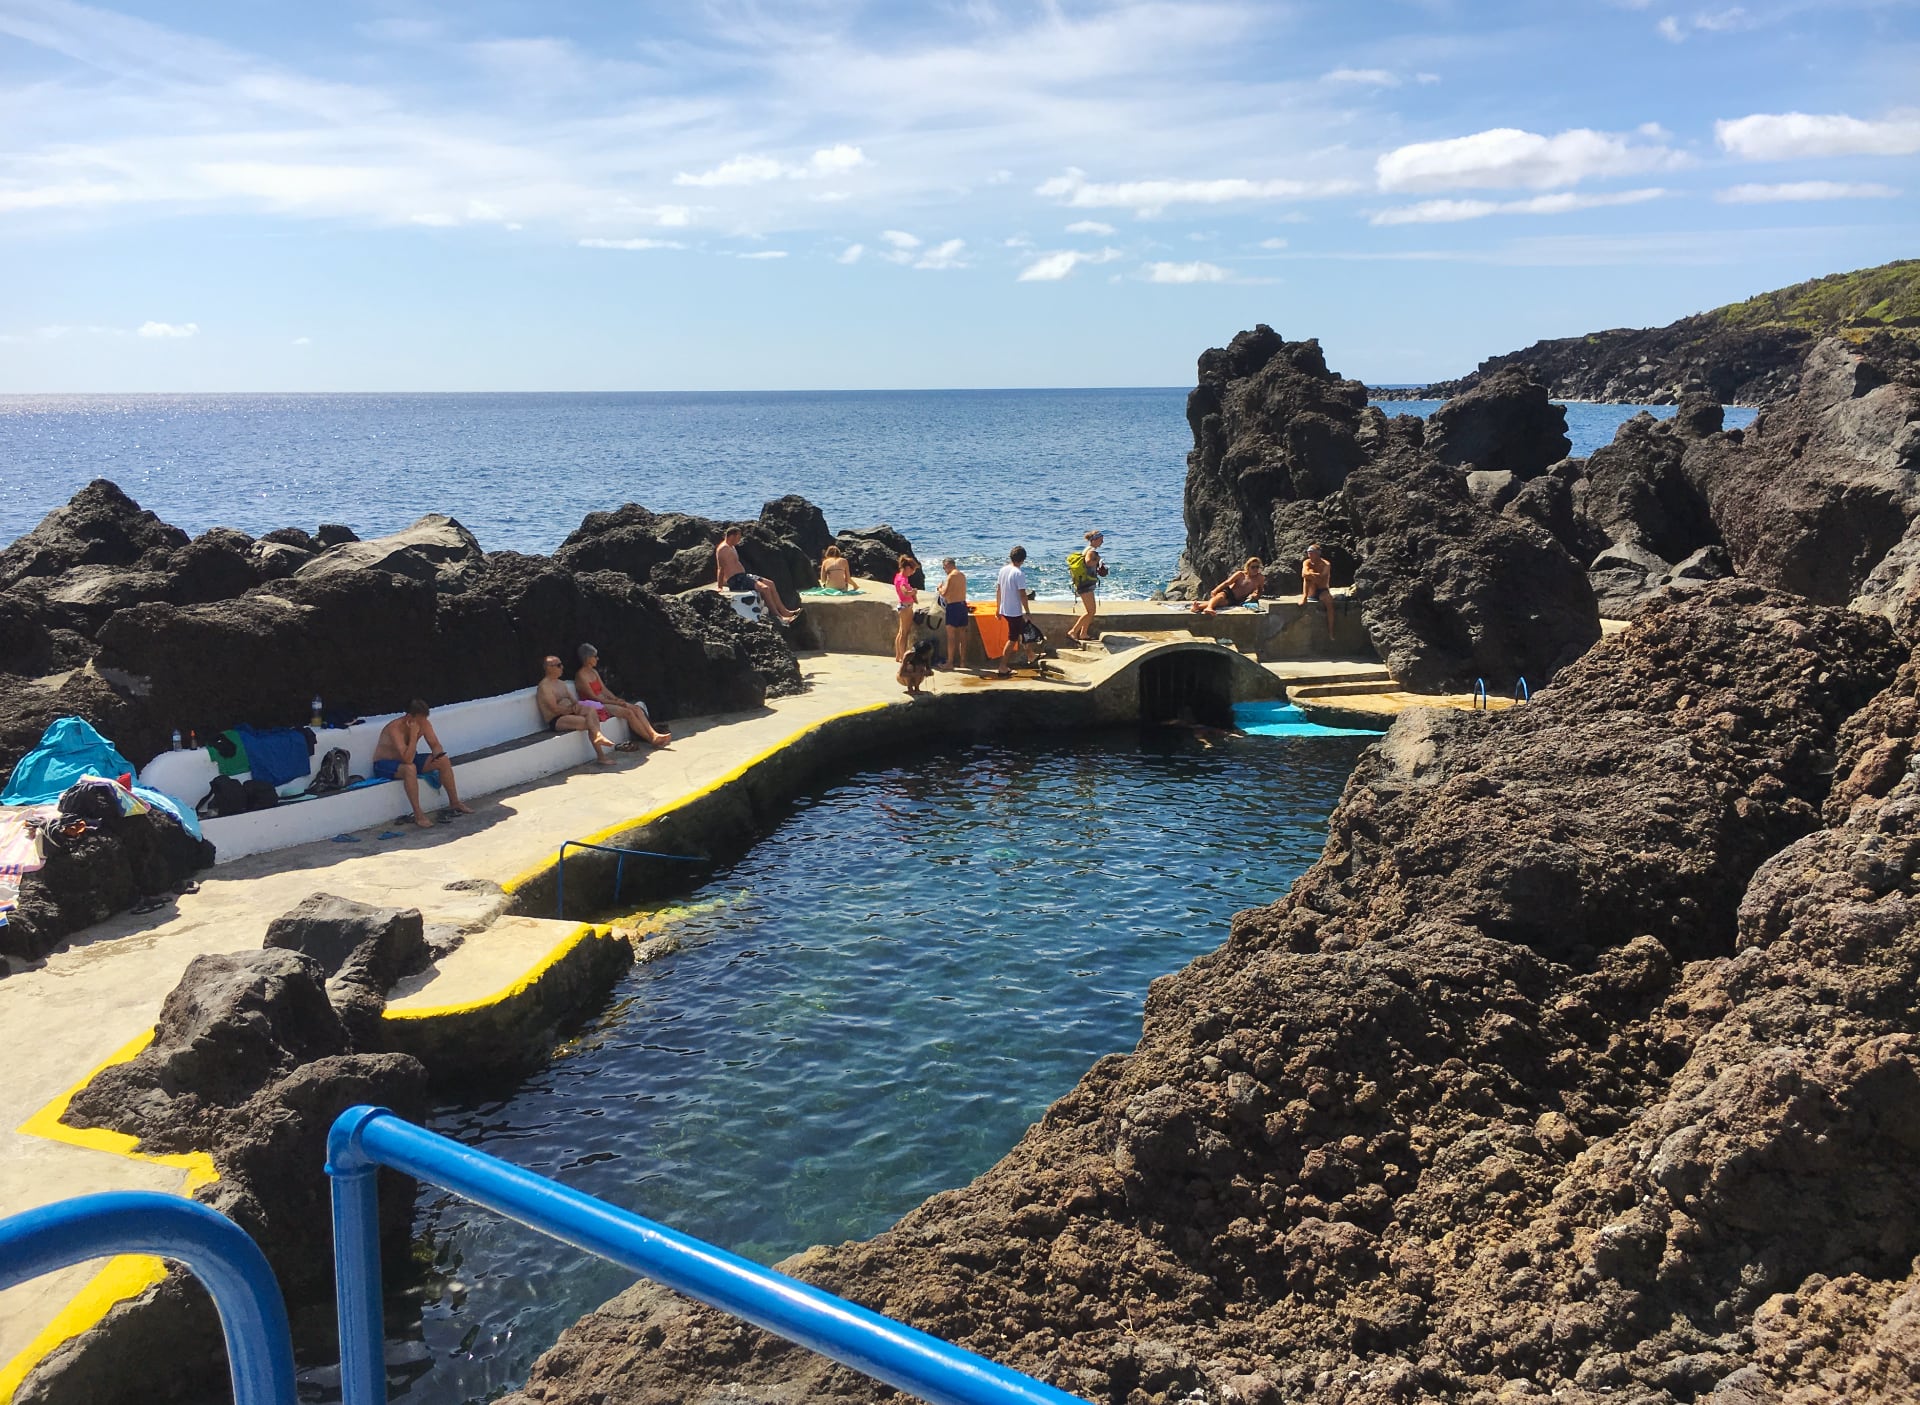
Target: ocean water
<point x="871" y="1006"/>
<point x="962" y="473"/>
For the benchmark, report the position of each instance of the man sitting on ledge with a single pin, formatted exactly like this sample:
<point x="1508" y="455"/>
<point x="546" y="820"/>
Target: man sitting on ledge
<point x="396" y="757"/>
<point x="729" y="574"/>
<point x="562" y="712"/>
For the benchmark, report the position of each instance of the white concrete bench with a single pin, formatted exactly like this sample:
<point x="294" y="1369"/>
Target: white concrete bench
<point x="495" y="743"/>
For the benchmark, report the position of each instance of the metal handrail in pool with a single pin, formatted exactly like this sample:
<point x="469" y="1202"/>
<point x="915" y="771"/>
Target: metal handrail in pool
<point x="1479" y="694"/>
<point x="253" y="1316"/>
<point x="363" y="1139"/>
<point x="1521" y="692"/>
<point x="619" y="867"/>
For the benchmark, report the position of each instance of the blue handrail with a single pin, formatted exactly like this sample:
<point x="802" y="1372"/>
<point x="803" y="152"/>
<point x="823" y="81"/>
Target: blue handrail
<point x="1479" y="694"/>
<point x="1521" y="692"/>
<point x="619" y="867"/>
<point x="252" y="1315"/>
<point x="366" y="1138"/>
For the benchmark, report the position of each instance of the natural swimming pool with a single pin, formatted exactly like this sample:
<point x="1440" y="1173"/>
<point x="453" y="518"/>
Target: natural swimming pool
<point x="871" y="1006"/>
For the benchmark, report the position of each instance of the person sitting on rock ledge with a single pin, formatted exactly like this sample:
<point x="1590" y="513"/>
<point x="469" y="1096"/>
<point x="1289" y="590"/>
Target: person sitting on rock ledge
<point x="1243" y="585"/>
<point x="395" y="757"/>
<point x="1316" y="582"/>
<point x="729" y="574"/>
<point x="593" y="692"/>
<point x="835" y="573"/>
<point x="561" y="711"/>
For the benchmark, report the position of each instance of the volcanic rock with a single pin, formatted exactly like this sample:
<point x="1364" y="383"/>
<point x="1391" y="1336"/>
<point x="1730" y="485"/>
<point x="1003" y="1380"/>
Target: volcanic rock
<point x="1504" y="424"/>
<point x="418" y="553"/>
<point x="1825" y="483"/>
<point x="362" y="950"/>
<point x="1499" y="1102"/>
<point x="874" y="554"/>
<point x="89" y="878"/>
<point x="1637" y="494"/>
<point x="99" y="526"/>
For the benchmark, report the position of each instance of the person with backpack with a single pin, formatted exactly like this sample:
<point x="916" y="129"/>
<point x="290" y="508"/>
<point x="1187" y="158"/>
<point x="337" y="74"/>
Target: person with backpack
<point x="1086" y="568"/>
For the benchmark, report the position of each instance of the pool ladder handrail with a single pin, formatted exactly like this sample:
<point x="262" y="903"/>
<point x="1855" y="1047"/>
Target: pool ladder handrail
<point x="253" y="1316"/>
<point x="1521" y="692"/>
<point x="619" y="867"/>
<point x="363" y="1139"/>
<point x="1479" y="695"/>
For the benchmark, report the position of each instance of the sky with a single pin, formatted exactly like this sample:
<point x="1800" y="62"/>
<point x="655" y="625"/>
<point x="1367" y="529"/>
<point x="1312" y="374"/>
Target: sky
<point x="244" y="195"/>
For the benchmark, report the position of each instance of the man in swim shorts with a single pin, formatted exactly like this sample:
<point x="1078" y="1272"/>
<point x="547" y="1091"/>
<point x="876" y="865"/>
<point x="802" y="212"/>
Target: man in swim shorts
<point x="729" y="574"/>
<point x="1316" y="582"/>
<point x="403" y="754"/>
<point x="593" y="692"/>
<point x="1012" y="596"/>
<point x="562" y="712"/>
<point x="953" y="602"/>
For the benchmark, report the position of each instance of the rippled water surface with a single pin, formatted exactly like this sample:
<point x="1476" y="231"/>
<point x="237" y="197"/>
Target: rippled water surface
<point x="872" y="1006"/>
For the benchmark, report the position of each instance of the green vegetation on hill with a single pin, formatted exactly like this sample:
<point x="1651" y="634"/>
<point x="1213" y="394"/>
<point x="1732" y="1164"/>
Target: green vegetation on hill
<point x="1843" y="304"/>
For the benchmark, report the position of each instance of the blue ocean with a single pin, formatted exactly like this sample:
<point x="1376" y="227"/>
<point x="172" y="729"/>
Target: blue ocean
<point x="962" y="473"/>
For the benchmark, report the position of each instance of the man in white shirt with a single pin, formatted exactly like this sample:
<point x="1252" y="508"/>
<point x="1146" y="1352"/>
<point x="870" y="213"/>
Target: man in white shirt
<point x="1011" y="591"/>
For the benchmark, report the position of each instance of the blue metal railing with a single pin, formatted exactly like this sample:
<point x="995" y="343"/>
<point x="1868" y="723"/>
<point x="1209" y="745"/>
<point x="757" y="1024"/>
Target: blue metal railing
<point x="366" y="1138"/>
<point x="619" y="867"/>
<point x="1521" y="692"/>
<point x="1479" y="694"/>
<point x="230" y="1265"/>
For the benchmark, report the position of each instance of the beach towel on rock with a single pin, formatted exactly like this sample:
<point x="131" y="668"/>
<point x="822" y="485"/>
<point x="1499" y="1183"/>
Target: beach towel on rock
<point x="68" y="750"/>
<point x="277" y="755"/>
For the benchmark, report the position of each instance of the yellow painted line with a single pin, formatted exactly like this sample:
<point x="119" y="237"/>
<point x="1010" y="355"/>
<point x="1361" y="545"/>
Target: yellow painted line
<point x="126" y="1275"/>
<point x="601" y="836"/>
<point x="559" y="951"/>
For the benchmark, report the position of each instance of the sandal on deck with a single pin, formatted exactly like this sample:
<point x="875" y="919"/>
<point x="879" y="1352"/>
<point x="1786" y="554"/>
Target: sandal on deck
<point x="628" y="746"/>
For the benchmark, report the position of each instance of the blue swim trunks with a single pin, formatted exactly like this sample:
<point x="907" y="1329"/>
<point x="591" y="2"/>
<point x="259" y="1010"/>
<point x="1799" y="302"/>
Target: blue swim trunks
<point x="390" y="769"/>
<point x="957" y="614"/>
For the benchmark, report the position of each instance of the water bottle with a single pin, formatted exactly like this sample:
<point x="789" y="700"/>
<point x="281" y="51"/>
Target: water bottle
<point x="176" y="738"/>
<point x="316" y="712"/>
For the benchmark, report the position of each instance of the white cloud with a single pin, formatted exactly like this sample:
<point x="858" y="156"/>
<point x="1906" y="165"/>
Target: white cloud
<point x="765" y="254"/>
<point x="1426" y="78"/>
<point x="757" y="170"/>
<point x="434" y="219"/>
<point x="1507" y="157"/>
<point x="900" y="239"/>
<point x="1670" y="30"/>
<point x="1559" y="203"/>
<point x="303" y="341"/>
<point x="1273" y="243"/>
<point x="1804" y="190"/>
<point x="949" y="254"/>
<point x="1794" y="136"/>
<point x="851" y="254"/>
<point x="631" y="244"/>
<point x="1051" y="268"/>
<point x="1186" y="273"/>
<point x="169" y="329"/>
<point x="1094" y="227"/>
<point x="1150" y="197"/>
<point x="1367" y="77"/>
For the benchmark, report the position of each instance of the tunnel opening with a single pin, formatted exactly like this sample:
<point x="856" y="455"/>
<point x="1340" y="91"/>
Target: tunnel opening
<point x="1187" y="685"/>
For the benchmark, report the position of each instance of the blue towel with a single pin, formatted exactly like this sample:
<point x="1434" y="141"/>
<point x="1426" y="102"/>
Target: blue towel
<point x="68" y="750"/>
<point x="183" y="813"/>
<point x="277" y="755"/>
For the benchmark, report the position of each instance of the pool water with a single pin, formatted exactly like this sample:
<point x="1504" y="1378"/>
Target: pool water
<point x="872" y="1006"/>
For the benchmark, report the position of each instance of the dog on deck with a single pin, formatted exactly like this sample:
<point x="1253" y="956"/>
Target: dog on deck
<point x="917" y="667"/>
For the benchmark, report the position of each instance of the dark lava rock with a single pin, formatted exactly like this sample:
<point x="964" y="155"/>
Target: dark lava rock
<point x="1499" y="1102"/>
<point x="1449" y="593"/>
<point x="99" y="526"/>
<point x="673" y="552"/>
<point x="1504" y="424"/>
<point x="1825" y="483"/>
<point x="874" y="554"/>
<point x="419" y="553"/>
<point x="1637" y="494"/>
<point x="26" y="646"/>
<point x="331" y="534"/>
<point x="362" y="950"/>
<point x="1271" y="425"/>
<point x="90" y="878"/>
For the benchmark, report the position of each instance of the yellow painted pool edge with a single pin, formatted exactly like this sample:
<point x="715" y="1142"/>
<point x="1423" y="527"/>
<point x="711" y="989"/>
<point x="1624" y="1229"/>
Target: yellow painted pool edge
<point x="600" y="836"/>
<point x="125" y="1275"/>
<point x="557" y="953"/>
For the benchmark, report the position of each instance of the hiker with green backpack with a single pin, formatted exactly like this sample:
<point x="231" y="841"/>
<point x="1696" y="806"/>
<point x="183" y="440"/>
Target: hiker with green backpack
<point x="1086" y="568"/>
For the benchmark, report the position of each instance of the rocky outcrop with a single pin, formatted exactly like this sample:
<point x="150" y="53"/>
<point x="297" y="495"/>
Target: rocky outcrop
<point x="1286" y="454"/>
<point x="99" y="526"/>
<point x="874" y="554"/>
<point x="420" y="552"/>
<point x="1825" y="483"/>
<point x="361" y="950"/>
<point x="1582" y="1064"/>
<point x="89" y="878"/>
<point x="1505" y="424"/>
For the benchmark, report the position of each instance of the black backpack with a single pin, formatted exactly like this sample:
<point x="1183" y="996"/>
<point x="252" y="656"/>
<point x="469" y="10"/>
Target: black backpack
<point x="259" y="795"/>
<point x="91" y="800"/>
<point x="226" y="796"/>
<point x="332" y="773"/>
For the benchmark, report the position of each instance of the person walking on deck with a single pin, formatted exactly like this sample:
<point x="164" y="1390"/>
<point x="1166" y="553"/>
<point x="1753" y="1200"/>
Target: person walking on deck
<point x="407" y="749"/>
<point x="1012" y="597"/>
<point x="1086" y="568"/>
<point x="953" y="604"/>
<point x="562" y="712"/>
<point x="729" y="574"/>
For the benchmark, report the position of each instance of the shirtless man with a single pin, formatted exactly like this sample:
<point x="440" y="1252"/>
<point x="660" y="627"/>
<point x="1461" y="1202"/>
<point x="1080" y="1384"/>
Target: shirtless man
<point x="1243" y="585"/>
<point x="953" y="601"/>
<point x="594" y="693"/>
<point x="729" y="574"/>
<point x="1316" y="582"/>
<point x="563" y="713"/>
<point x="395" y="757"/>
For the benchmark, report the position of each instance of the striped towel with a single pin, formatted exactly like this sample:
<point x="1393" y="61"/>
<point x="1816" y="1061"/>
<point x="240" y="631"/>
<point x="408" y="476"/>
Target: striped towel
<point x="19" y="849"/>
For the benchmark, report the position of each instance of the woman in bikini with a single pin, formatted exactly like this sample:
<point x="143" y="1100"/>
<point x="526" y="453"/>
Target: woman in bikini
<point x="908" y="598"/>
<point x="835" y="574"/>
<point x="1243" y="585"/>
<point x="595" y="695"/>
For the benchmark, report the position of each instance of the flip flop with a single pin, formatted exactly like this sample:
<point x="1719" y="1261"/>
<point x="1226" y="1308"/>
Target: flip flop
<point x="628" y="746"/>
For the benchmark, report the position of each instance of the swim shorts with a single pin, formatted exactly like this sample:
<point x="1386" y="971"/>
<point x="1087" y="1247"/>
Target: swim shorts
<point x="741" y="580"/>
<point x="958" y="614"/>
<point x="390" y="769"/>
